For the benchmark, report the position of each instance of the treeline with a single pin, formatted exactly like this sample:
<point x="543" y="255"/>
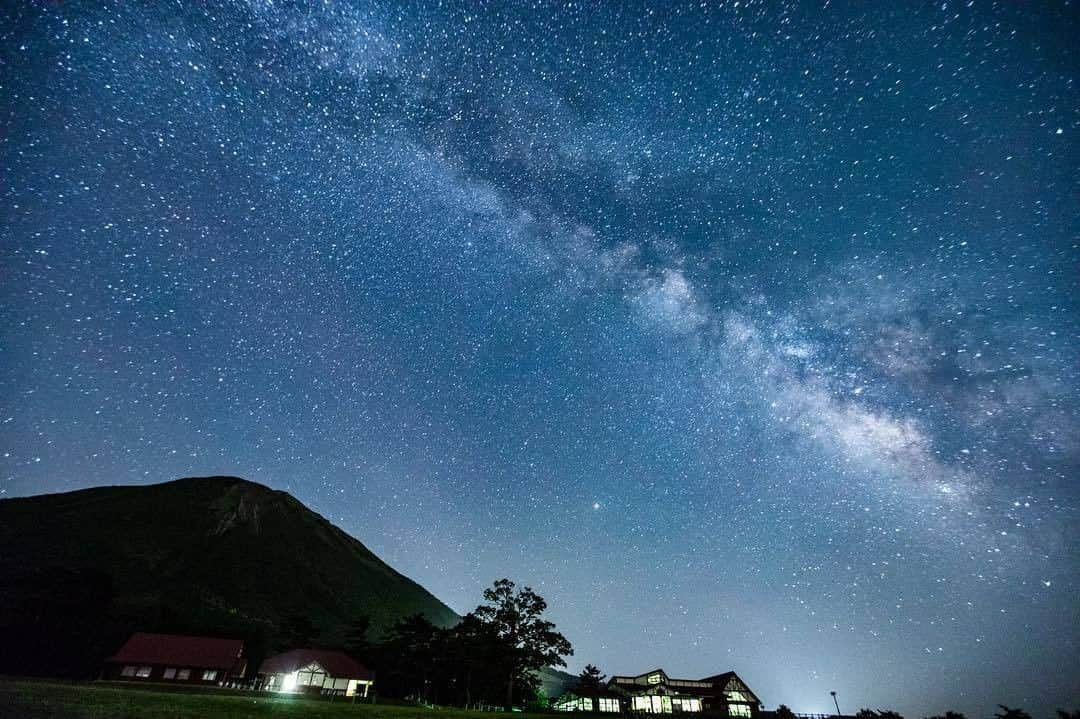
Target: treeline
<point x="490" y="657"/>
<point x="63" y="623"/>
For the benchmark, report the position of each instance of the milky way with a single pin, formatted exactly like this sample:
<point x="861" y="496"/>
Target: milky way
<point x="745" y="333"/>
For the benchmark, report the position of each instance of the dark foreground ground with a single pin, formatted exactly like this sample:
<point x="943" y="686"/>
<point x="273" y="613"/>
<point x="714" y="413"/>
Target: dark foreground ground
<point x="61" y="700"/>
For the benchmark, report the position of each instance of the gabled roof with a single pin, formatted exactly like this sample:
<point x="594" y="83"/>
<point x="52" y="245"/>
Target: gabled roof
<point x="639" y="678"/>
<point x="182" y="651"/>
<point x="336" y="664"/>
<point x="722" y="680"/>
<point x="709" y="686"/>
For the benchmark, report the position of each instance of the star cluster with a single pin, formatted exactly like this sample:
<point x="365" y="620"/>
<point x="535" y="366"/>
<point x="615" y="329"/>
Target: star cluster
<point x="746" y="333"/>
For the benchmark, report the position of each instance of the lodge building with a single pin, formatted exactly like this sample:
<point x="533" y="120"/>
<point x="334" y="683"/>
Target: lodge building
<point x="315" y="671"/>
<point x="177" y="658"/>
<point x="656" y="693"/>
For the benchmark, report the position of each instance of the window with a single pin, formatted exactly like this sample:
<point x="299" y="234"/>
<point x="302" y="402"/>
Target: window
<point x="143" y="672"/>
<point x="654" y="678"/>
<point x="582" y="704"/>
<point x="738" y="710"/>
<point x="209" y="675"/>
<point x="183" y="674"/>
<point x="128" y="671"/>
<point x="609" y="705"/>
<point x="310" y="679"/>
<point x="169" y="673"/>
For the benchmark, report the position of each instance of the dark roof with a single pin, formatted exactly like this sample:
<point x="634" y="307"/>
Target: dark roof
<point x="336" y="664"/>
<point x="719" y="678"/>
<point x="722" y="680"/>
<point x="709" y="686"/>
<point x="182" y="651"/>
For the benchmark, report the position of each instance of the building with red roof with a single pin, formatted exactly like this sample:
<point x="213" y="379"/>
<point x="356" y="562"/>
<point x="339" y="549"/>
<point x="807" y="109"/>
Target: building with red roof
<point x="177" y="658"/>
<point x="316" y="671"/>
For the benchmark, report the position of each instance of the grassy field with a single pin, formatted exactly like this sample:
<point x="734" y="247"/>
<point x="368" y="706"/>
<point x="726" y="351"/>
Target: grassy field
<point x="90" y="700"/>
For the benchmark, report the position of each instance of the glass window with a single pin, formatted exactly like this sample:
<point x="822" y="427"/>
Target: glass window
<point x="128" y="671"/>
<point x="183" y="674"/>
<point x="738" y="710"/>
<point x="169" y="673"/>
<point x="143" y="672"/>
<point x="609" y="705"/>
<point x="209" y="675"/>
<point x="641" y="704"/>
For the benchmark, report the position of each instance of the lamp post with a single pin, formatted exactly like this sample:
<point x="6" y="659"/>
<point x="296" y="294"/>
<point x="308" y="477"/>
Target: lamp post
<point x="836" y="703"/>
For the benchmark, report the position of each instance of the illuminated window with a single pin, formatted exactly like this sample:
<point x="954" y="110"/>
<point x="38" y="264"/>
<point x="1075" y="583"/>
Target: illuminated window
<point x="609" y="705"/>
<point x="738" y="710"/>
<point x="127" y="671"/>
<point x="641" y="704"/>
<point x="143" y="672"/>
<point x="170" y="673"/>
<point x="183" y="674"/>
<point x="209" y="675"/>
<point x="654" y="678"/>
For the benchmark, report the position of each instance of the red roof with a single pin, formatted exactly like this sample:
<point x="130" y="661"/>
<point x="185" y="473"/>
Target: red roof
<point x="182" y="651"/>
<point x="336" y="664"/>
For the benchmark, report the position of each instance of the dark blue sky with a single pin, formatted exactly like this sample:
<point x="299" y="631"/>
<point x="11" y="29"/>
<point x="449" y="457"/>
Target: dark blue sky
<point x="745" y="333"/>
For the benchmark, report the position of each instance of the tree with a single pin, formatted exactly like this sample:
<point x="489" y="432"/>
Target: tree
<point x="530" y="642"/>
<point x="1063" y="714"/>
<point x="784" y="712"/>
<point x="953" y="715"/>
<point x="866" y="714"/>
<point x="888" y="714"/>
<point x="1007" y="713"/>
<point x="295" y="631"/>
<point x="590" y="678"/>
<point x="357" y="644"/>
<point x="414" y="644"/>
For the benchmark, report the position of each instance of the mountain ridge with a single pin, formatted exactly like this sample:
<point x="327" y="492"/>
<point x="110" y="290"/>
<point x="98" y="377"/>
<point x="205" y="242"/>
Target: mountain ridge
<point x="194" y="554"/>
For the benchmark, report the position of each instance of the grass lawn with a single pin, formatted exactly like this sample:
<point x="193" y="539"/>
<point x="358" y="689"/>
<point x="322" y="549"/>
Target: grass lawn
<point x="89" y="700"/>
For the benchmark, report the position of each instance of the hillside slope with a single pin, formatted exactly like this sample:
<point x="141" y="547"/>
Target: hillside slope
<point x="205" y="554"/>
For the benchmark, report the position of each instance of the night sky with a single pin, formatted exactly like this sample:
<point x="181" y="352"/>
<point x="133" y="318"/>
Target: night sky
<point x="747" y="334"/>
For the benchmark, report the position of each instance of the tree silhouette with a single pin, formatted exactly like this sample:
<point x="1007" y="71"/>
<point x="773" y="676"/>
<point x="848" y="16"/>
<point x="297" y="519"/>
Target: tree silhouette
<point x="952" y="715"/>
<point x="531" y="642"/>
<point x="784" y="712"/>
<point x="357" y="644"/>
<point x="1063" y="714"/>
<point x="590" y="678"/>
<point x="414" y="643"/>
<point x="1007" y="713"/>
<point x="295" y="631"/>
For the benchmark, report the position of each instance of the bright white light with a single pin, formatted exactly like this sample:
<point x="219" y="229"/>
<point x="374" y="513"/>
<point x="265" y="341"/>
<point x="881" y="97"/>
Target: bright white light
<point x="289" y="682"/>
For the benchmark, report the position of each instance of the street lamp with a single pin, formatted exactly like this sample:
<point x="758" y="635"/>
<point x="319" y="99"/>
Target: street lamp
<point x="836" y="703"/>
